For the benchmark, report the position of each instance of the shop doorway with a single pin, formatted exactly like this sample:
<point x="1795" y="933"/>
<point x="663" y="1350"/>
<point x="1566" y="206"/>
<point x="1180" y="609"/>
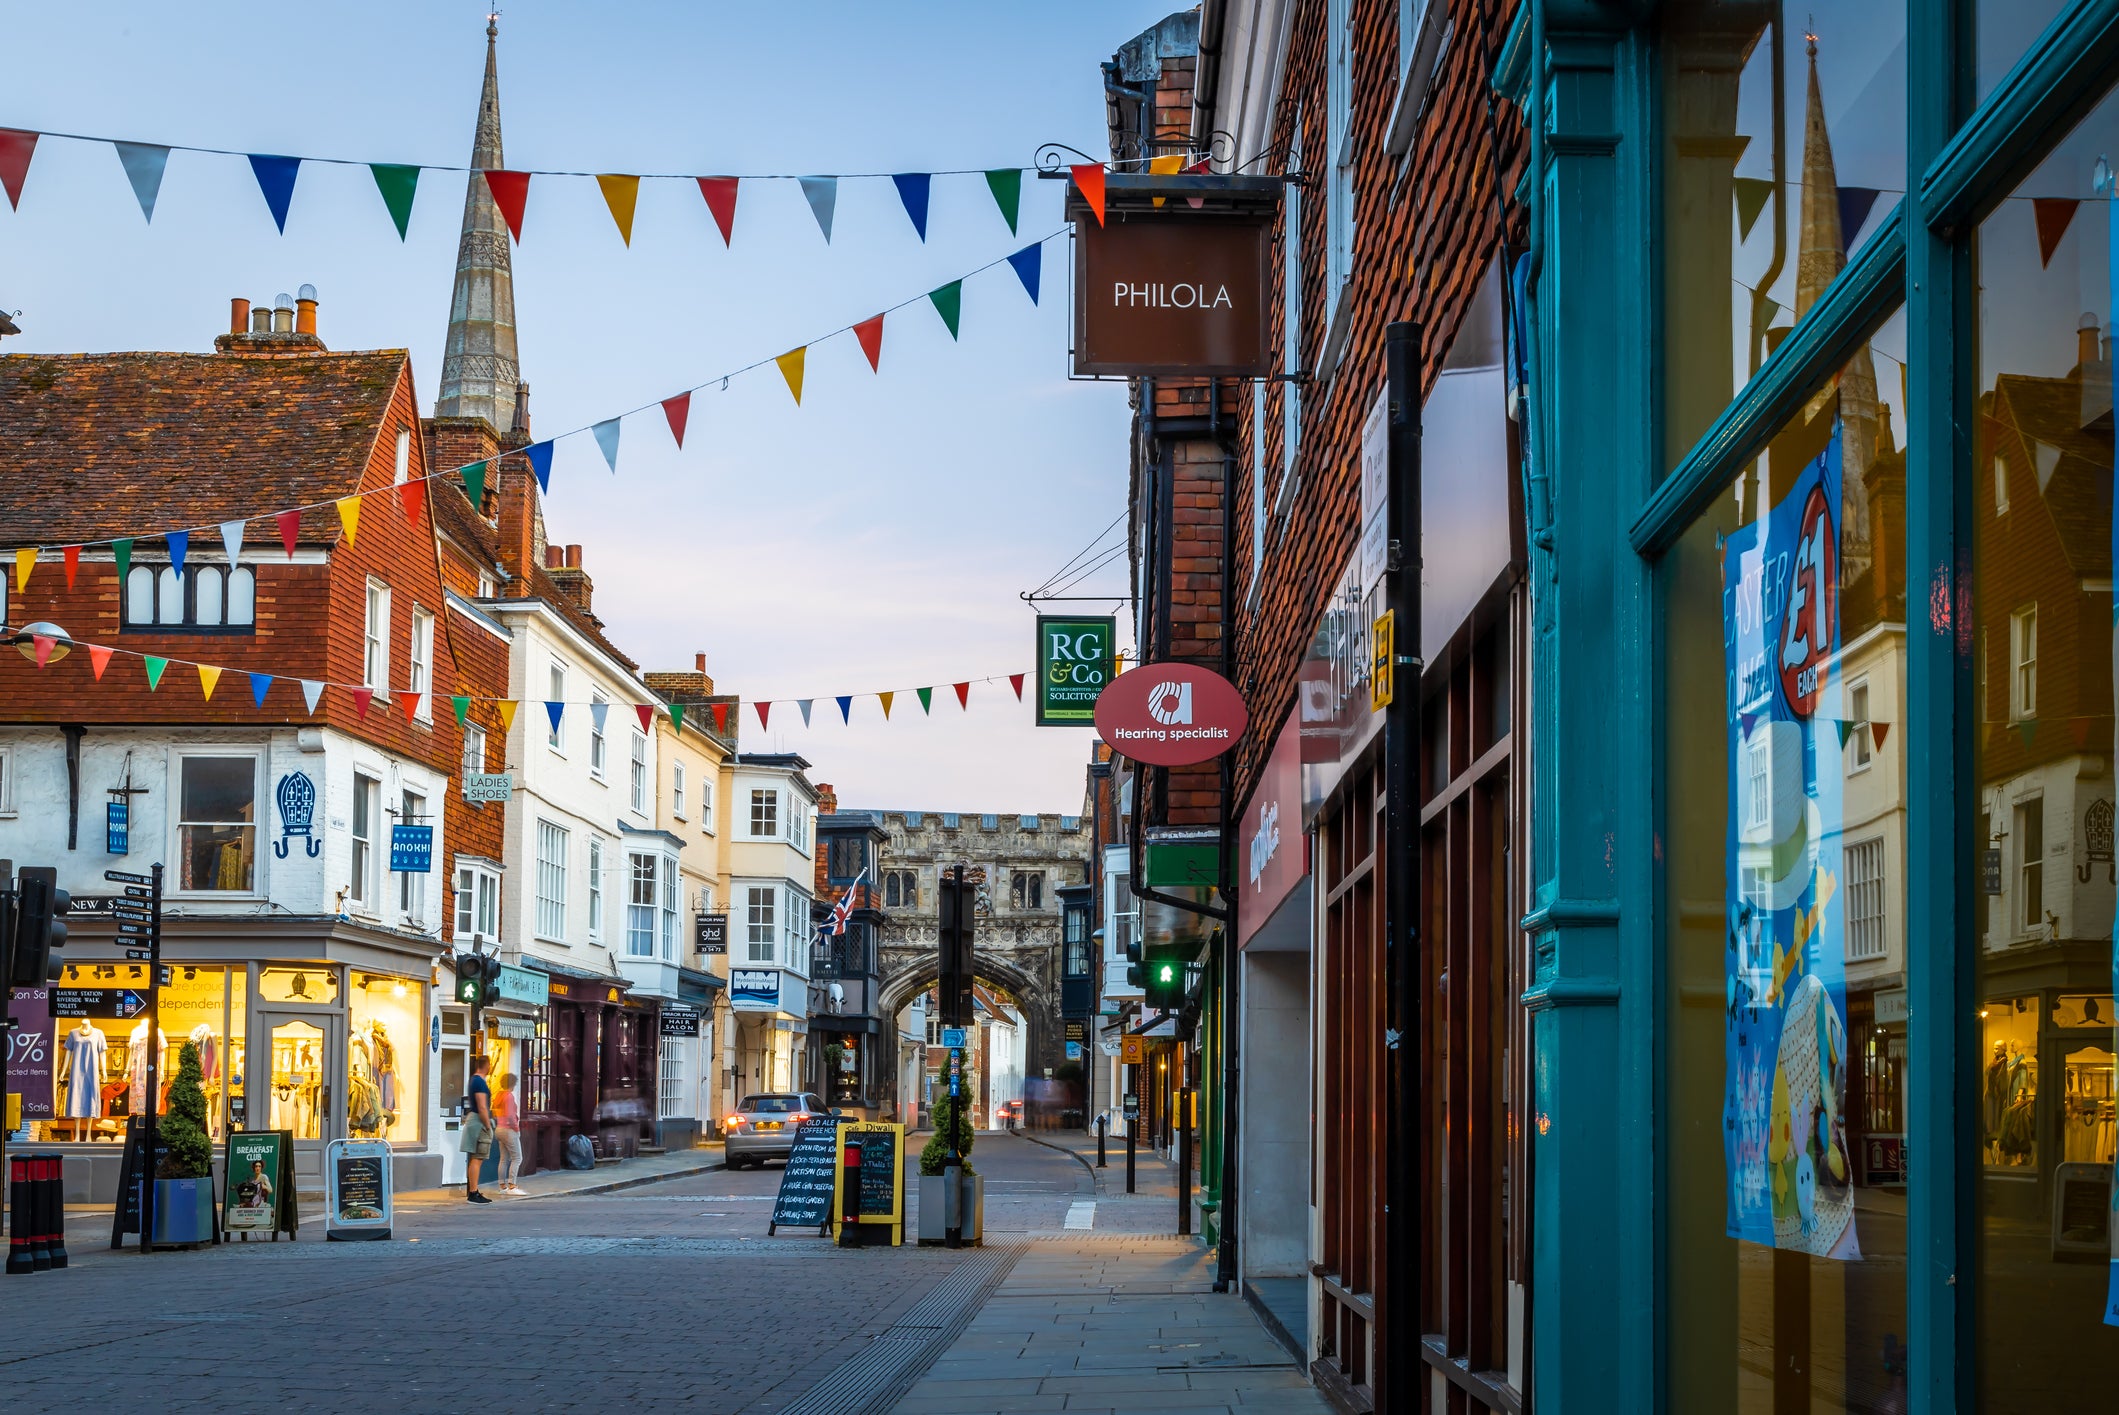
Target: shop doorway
<point x="298" y="1075"/>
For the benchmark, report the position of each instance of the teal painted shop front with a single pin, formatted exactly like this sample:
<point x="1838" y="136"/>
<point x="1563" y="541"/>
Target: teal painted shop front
<point x="1816" y="324"/>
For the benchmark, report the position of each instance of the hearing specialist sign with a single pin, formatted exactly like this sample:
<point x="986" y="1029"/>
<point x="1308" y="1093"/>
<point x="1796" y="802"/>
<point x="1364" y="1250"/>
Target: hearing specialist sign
<point x="1074" y="662"/>
<point x="1171" y="714"/>
<point x="1164" y="291"/>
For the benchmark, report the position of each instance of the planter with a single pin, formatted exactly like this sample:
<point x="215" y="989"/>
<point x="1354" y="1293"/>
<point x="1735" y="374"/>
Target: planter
<point x="183" y="1211"/>
<point x="933" y="1208"/>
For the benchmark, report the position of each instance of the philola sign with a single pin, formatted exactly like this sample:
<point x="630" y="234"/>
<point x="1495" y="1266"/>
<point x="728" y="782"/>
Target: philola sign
<point x="1171" y="714"/>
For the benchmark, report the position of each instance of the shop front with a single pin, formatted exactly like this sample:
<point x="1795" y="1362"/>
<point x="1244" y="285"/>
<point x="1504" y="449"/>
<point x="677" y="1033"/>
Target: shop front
<point x="591" y="1069"/>
<point x="772" y="1024"/>
<point x="511" y="1023"/>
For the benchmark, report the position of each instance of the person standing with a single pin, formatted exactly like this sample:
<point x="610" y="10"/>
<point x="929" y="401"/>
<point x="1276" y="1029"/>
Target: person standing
<point x="507" y="1115"/>
<point x="478" y="1127"/>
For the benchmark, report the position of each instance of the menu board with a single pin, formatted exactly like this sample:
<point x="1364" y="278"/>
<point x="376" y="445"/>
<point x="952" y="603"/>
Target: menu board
<point x="806" y="1184"/>
<point x="880" y="1179"/>
<point x="357" y="1189"/>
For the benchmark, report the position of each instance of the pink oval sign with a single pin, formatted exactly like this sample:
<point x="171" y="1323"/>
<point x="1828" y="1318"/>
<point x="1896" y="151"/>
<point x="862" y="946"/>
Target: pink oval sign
<point x="1171" y="714"/>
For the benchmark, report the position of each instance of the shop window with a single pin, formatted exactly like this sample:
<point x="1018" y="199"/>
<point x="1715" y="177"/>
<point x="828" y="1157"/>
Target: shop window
<point x="669" y="1096"/>
<point x="2023" y="664"/>
<point x="552" y="881"/>
<point x="638" y="777"/>
<point x="296" y="1100"/>
<point x="1784" y="149"/>
<point x="204" y="598"/>
<point x="1786" y="1273"/>
<point x="2005" y="30"/>
<point x="217" y="823"/>
<point x="765" y="815"/>
<point x="477" y="903"/>
<point x="385" y="1019"/>
<point x="97" y="1076"/>
<point x="360" y="883"/>
<point x="901" y="889"/>
<point x="761" y="930"/>
<point x="375" y="637"/>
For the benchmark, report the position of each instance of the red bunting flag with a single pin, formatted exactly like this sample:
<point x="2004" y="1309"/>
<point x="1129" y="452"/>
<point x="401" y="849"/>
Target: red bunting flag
<point x="15" y="148"/>
<point x="721" y="719"/>
<point x="963" y="690"/>
<point x="870" y="333"/>
<point x="678" y="410"/>
<point x="1879" y="730"/>
<point x="43" y="644"/>
<point x="1089" y="180"/>
<point x="408" y="701"/>
<point x="361" y="698"/>
<point x="647" y="716"/>
<point x="98" y="659"/>
<point x="290" y="530"/>
<point x="72" y="554"/>
<point x="720" y="194"/>
<point x="510" y="191"/>
<point x="1015" y="681"/>
<point x="412" y="493"/>
<point x="2053" y="215"/>
<point x="764" y="712"/>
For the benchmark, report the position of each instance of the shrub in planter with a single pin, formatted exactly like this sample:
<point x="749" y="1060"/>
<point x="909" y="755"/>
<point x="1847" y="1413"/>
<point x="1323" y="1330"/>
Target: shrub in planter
<point x="184" y="1181"/>
<point x="936" y="1154"/>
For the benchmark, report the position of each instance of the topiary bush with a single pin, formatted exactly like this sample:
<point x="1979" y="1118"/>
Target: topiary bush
<point x="183" y="1130"/>
<point x="936" y="1154"/>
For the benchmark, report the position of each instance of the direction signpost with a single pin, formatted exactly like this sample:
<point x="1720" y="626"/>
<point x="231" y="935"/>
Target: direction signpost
<point x="139" y="914"/>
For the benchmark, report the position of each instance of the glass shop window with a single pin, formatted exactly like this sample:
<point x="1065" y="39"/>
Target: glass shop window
<point x="96" y="1076"/>
<point x="386" y="1015"/>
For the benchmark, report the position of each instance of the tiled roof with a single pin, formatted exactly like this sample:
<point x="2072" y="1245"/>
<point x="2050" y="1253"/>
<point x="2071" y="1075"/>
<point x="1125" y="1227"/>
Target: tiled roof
<point x="2077" y="492"/>
<point x="92" y="443"/>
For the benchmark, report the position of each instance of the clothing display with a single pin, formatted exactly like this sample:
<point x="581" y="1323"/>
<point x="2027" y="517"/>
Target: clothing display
<point x="84" y="1048"/>
<point x="136" y="1068"/>
<point x="2089" y="1123"/>
<point x="385" y="1058"/>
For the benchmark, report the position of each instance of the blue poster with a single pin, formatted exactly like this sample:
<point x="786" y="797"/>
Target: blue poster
<point x="412" y="849"/>
<point x="1791" y="1179"/>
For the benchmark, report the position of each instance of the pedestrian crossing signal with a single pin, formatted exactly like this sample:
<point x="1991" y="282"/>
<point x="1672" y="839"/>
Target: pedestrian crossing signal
<point x="1165" y="978"/>
<point x="477" y="979"/>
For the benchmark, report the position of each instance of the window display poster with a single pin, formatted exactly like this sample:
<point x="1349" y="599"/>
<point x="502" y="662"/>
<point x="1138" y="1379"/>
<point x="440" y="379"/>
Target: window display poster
<point x="31" y="1047"/>
<point x="253" y="1171"/>
<point x="1784" y="1124"/>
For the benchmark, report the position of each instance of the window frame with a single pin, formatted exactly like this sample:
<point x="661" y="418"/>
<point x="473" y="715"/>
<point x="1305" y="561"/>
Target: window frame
<point x="754" y="896"/>
<point x="599" y="914"/>
<point x="173" y="845"/>
<point x="556" y="676"/>
<point x="637" y="776"/>
<point x="7" y="778"/>
<point x="677" y="793"/>
<point x="474" y="749"/>
<point x="419" y="662"/>
<point x="363" y="881"/>
<point x="186" y="621"/>
<point x="548" y="912"/>
<point x="2023" y="663"/>
<point x="476" y="893"/>
<point x="769" y="798"/>
<point x="375" y="636"/>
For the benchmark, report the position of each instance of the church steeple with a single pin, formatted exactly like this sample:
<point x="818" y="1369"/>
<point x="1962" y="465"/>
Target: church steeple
<point x="478" y="367"/>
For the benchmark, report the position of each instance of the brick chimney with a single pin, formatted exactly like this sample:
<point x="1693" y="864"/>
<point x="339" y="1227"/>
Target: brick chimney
<point x="564" y="563"/>
<point x="827" y="799"/>
<point x="281" y="329"/>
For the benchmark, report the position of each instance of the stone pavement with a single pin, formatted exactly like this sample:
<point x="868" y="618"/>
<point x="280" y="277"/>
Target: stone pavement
<point x="1111" y="1324"/>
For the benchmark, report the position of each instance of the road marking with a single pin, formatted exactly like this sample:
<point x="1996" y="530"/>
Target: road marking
<point x="1081" y="1214"/>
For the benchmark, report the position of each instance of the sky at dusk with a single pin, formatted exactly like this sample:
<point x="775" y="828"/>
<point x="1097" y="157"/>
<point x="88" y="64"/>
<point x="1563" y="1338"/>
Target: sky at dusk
<point x="874" y="538"/>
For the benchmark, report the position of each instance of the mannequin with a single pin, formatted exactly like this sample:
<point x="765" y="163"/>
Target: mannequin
<point x="81" y="1077"/>
<point x="136" y="1066"/>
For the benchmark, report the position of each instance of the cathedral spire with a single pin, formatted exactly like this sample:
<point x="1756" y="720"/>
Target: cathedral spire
<point x="478" y="368"/>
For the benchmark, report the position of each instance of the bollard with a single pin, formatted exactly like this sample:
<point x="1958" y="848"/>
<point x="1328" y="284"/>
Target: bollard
<point x="1130" y="1128"/>
<point x="1184" y="1168"/>
<point x="1103" y="1122"/>
<point x="54" y="1191"/>
<point x="850" y="1195"/>
<point x="20" y="1224"/>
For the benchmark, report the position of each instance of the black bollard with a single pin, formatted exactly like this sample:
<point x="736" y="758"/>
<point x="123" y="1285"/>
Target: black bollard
<point x="1103" y="1122"/>
<point x="1184" y="1167"/>
<point x="850" y="1195"/>
<point x="20" y="1225"/>
<point x="54" y="1191"/>
<point x="1130" y="1128"/>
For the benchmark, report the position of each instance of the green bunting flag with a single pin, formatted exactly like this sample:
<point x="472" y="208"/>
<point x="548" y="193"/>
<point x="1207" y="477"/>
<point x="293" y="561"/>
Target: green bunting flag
<point x="396" y="181"/>
<point x="926" y="700"/>
<point x="1846" y="730"/>
<point x="155" y="667"/>
<point x="1751" y="194"/>
<point x="475" y="486"/>
<point x="676" y="717"/>
<point x="1007" y="185"/>
<point x="949" y="303"/>
<point x="123" y="550"/>
<point x="463" y="709"/>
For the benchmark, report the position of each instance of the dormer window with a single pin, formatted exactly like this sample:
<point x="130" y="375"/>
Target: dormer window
<point x="199" y="598"/>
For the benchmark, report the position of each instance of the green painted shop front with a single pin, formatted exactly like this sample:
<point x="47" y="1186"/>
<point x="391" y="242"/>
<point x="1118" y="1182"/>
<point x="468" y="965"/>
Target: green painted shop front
<point x="1816" y="320"/>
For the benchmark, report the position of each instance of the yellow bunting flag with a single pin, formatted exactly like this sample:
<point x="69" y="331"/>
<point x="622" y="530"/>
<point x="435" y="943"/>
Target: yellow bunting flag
<point x="208" y="677"/>
<point x="886" y="697"/>
<point x="506" y="707"/>
<point x="349" y="512"/>
<point x="791" y="369"/>
<point x="27" y="557"/>
<point x="620" y="193"/>
<point x="1169" y="164"/>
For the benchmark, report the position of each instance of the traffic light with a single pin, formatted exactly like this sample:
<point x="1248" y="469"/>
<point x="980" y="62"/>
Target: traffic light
<point x="958" y="906"/>
<point x="40" y="928"/>
<point x="1163" y="983"/>
<point x="477" y="978"/>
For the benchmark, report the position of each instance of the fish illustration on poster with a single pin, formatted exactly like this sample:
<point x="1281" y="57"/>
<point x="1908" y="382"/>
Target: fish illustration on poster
<point x="1790" y="1175"/>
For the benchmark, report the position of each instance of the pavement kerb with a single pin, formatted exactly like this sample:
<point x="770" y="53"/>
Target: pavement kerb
<point x="1079" y="1158"/>
<point x="636" y="1181"/>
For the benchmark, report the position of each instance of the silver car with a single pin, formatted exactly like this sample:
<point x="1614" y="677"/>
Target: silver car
<point x="763" y="1127"/>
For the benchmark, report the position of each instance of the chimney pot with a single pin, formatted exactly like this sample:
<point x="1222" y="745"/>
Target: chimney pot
<point x="699" y="663"/>
<point x="283" y="321"/>
<point x="305" y="310"/>
<point x="2086" y="339"/>
<point x="238" y="315"/>
<point x="555" y="557"/>
<point x="573" y="557"/>
<point x="260" y="319"/>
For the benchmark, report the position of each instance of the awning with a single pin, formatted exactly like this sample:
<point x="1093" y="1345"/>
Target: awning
<point x="1163" y="1027"/>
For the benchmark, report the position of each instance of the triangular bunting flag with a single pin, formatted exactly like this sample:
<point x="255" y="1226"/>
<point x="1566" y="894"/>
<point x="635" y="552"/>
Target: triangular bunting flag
<point x="361" y="698"/>
<point x="408" y="702"/>
<point x="122" y="549"/>
<point x="1089" y="181"/>
<point x="1749" y="721"/>
<point x="600" y="712"/>
<point x="276" y="180"/>
<point x="791" y="369"/>
<point x="870" y="332"/>
<point x="143" y="162"/>
<point x="179" y="546"/>
<point x="15" y="149"/>
<point x="765" y="712"/>
<point x="554" y="711"/>
<point x="511" y="190"/>
<point x="155" y="668"/>
<point x="1854" y="204"/>
<point x="621" y="193"/>
<point x="949" y="303"/>
<point x="540" y="455"/>
<point x="886" y="697"/>
<point x="349" y="515"/>
<point x="506" y="708"/>
<point x="926" y="699"/>
<point x="397" y="182"/>
<point x="260" y="685"/>
<point x="607" y="438"/>
<point x="676" y="717"/>
<point x="1200" y="169"/>
<point x="1167" y="165"/>
<point x="963" y="690"/>
<point x="1006" y="184"/>
<point x="678" y="409"/>
<point x="804" y="704"/>
<point x="311" y="692"/>
<point x="1846" y="730"/>
<point x="98" y="659"/>
<point x="209" y="679"/>
<point x="72" y="555"/>
<point x="232" y="540"/>
<point x="462" y="707"/>
<point x="912" y="190"/>
<point x="1015" y="681"/>
<point x="2052" y="215"/>
<point x="1028" y="264"/>
<point x="721" y="718"/>
<point x="475" y="485"/>
<point x="290" y="529"/>
<point x="41" y="645"/>
<point x="646" y="713"/>
<point x="720" y="194"/>
<point x="845" y="709"/>
<point x="1878" y="731"/>
<point x="412" y="495"/>
<point x="25" y="561"/>
<point x="822" y="192"/>
<point x="1751" y="194"/>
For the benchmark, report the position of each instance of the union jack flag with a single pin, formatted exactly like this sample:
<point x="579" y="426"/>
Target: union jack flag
<point x="843" y="910"/>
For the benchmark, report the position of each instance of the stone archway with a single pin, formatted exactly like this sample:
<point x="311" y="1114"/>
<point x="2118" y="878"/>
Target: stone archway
<point x="908" y="972"/>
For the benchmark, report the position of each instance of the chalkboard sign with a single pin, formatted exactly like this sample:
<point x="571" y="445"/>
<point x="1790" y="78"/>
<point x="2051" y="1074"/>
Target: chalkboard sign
<point x="806" y="1184"/>
<point x="882" y="1175"/>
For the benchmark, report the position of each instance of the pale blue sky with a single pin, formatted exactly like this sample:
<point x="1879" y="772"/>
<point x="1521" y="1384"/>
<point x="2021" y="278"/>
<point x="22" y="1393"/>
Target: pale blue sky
<point x="874" y="538"/>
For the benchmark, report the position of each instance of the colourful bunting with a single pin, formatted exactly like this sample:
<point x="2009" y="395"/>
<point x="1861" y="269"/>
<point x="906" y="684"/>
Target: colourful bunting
<point x="599" y="713"/>
<point x="72" y="555"/>
<point x="290" y="529"/>
<point x="554" y="711"/>
<point x="607" y="438"/>
<point x="412" y="496"/>
<point x="209" y="679"/>
<point x="122" y="551"/>
<point x="679" y="411"/>
<point x="1878" y="731"/>
<point x="885" y="699"/>
<point x="232" y="541"/>
<point x="475" y="485"/>
<point x="1751" y="194"/>
<point x="361" y="698"/>
<point x="621" y="193"/>
<point x="2053" y="214"/>
<point x="311" y="692"/>
<point x="1006" y="184"/>
<point x="822" y="192"/>
<point x="540" y="455"/>
<point x="912" y="190"/>
<point x="179" y="545"/>
<point x="98" y="659"/>
<point x="42" y="645"/>
<point x="15" y="149"/>
<point x="1089" y="181"/>
<point x="461" y="705"/>
<point x="276" y="181"/>
<point x="676" y="716"/>
<point x="408" y="702"/>
<point x="1168" y="164"/>
<point x="1015" y="681"/>
<point x="349" y="515"/>
<point x="143" y="163"/>
<point x="804" y="704"/>
<point x="25" y="561"/>
<point x="397" y="182"/>
<point x="721" y="718"/>
<point x="765" y="712"/>
<point x="155" y="668"/>
<point x="791" y="369"/>
<point x="949" y="303"/>
<point x="845" y="709"/>
<point x="720" y="194"/>
<point x="506" y="708"/>
<point x="926" y="701"/>
<point x="260" y="685"/>
<point x="1028" y="266"/>
<point x="1846" y="730"/>
<point x="1854" y="204"/>
<point x="511" y="190"/>
<point x="963" y="690"/>
<point x="870" y="332"/>
<point x="647" y="716"/>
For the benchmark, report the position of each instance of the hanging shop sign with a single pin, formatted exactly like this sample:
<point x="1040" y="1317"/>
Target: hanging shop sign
<point x="1177" y="856"/>
<point x="488" y="785"/>
<point x="1272" y="847"/>
<point x="754" y="989"/>
<point x="117" y="827"/>
<point x="1172" y="289"/>
<point x="679" y="1020"/>
<point x="711" y="933"/>
<point x="1171" y="714"/>
<point x="1076" y="657"/>
<point x="412" y="849"/>
<point x="525" y="985"/>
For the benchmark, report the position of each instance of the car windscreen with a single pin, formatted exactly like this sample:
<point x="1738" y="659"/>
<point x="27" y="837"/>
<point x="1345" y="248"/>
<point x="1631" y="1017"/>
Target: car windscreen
<point x="770" y="1105"/>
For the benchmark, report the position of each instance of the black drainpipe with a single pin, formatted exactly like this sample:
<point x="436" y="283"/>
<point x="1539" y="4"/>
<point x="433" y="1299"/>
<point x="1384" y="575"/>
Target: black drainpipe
<point x="74" y="733"/>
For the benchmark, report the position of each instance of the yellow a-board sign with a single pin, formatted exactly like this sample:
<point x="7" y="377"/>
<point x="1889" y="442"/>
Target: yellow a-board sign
<point x="882" y="1175"/>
